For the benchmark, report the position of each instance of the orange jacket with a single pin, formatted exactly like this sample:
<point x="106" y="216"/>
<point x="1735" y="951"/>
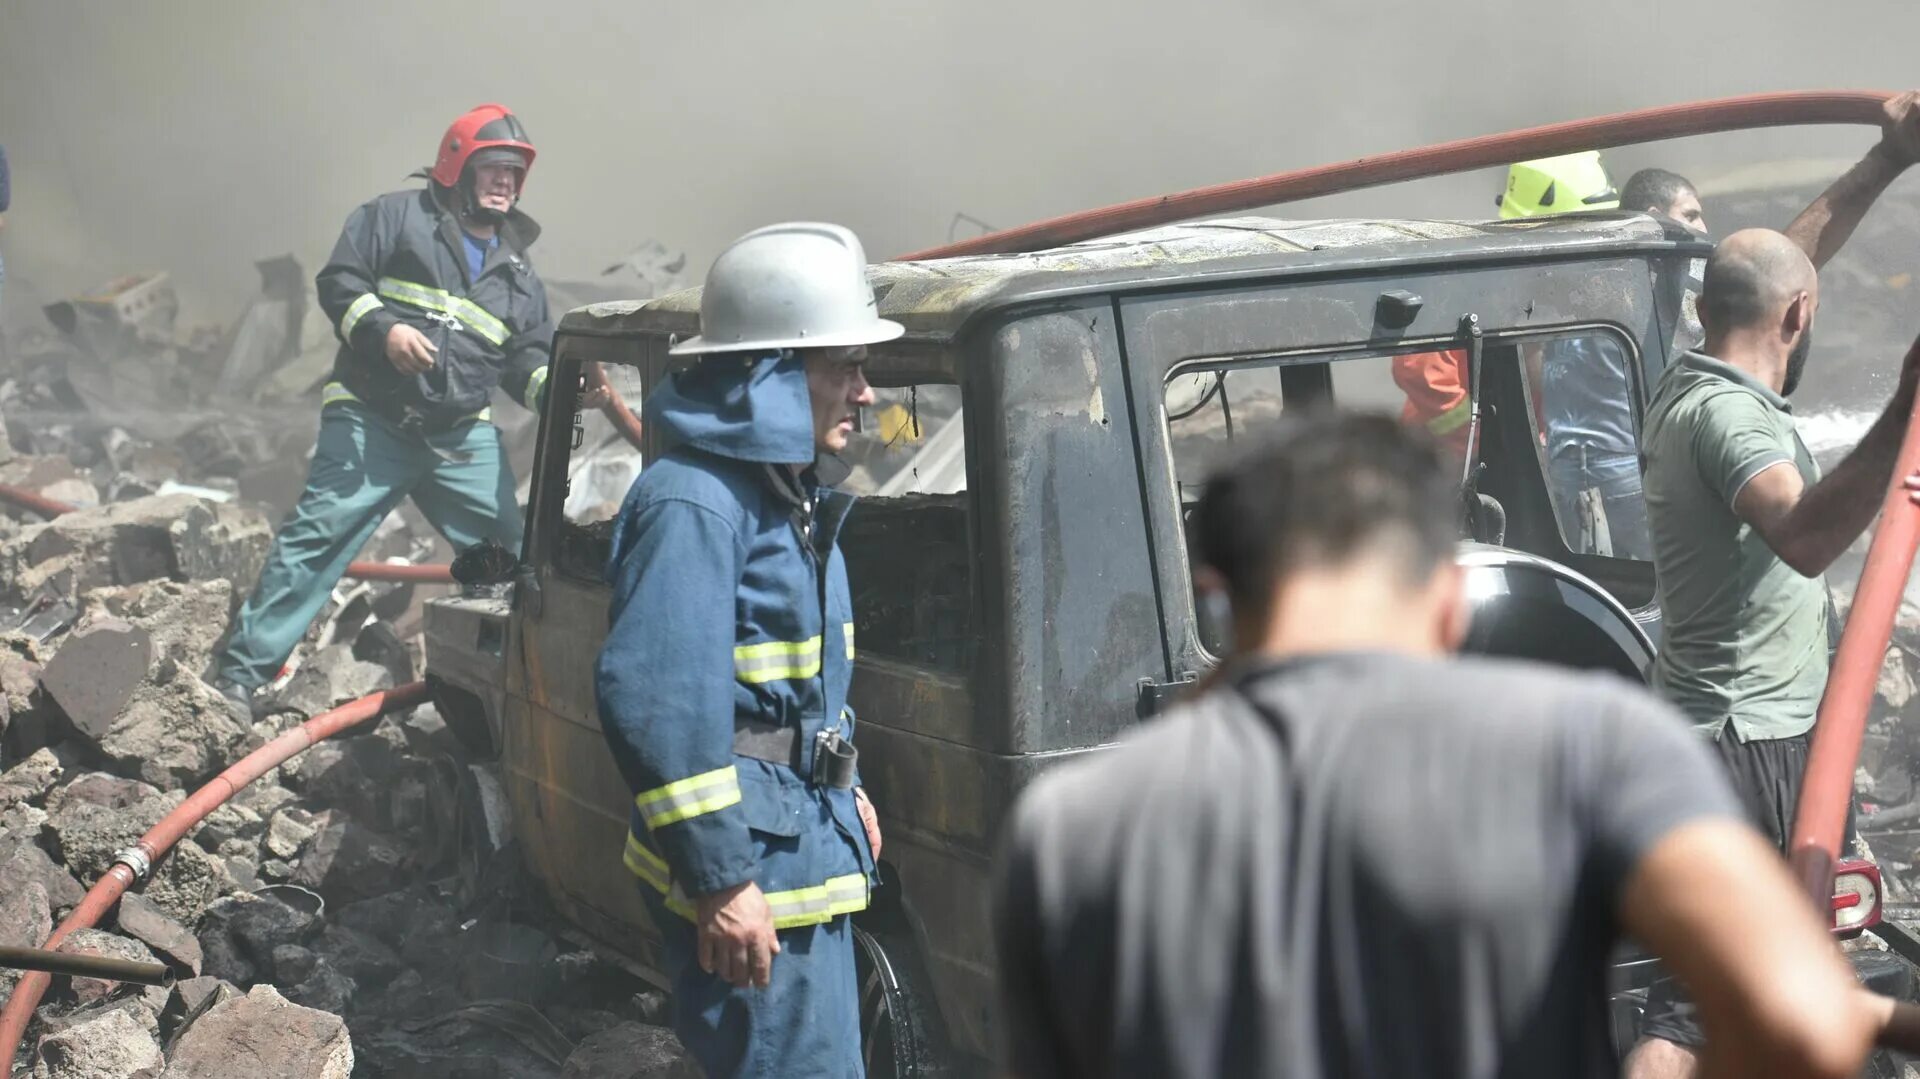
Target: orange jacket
<point x="1437" y="395"/>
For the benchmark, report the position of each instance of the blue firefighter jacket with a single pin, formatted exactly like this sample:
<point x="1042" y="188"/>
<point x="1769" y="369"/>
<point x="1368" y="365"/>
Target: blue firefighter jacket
<point x="730" y="607"/>
<point x="401" y="258"/>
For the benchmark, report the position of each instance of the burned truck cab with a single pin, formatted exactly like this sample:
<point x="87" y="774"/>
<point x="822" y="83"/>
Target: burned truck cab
<point x="1019" y="560"/>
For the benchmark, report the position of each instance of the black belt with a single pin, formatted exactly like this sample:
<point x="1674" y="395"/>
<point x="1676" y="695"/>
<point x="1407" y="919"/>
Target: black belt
<point x="770" y="742"/>
<point x="834" y="758"/>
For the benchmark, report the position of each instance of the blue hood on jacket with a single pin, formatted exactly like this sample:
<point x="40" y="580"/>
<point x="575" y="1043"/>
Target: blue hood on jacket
<point x="748" y="408"/>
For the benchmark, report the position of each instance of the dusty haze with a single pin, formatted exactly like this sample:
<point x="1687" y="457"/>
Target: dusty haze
<point x="196" y="135"/>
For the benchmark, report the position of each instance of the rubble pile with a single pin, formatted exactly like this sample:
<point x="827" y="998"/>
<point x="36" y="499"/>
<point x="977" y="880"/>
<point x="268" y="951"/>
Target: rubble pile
<point x="358" y="911"/>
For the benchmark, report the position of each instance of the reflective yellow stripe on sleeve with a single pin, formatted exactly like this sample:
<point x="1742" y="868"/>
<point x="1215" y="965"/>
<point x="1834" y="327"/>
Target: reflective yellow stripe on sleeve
<point x="356" y="311"/>
<point x="847" y="631"/>
<point x="536" y="385"/>
<point x="689" y="797"/>
<point x="470" y="315"/>
<point x="791" y="909"/>
<point x="770" y="661"/>
<point x="1452" y="419"/>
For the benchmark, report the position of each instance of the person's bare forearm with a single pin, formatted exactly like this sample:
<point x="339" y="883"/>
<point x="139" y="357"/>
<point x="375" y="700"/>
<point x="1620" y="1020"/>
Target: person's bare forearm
<point x="1825" y="225"/>
<point x="1833" y="513"/>
<point x="1898" y="1022"/>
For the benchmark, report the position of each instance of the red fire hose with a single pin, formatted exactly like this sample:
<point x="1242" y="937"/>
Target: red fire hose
<point x="1642" y="125"/>
<point x="1837" y="733"/>
<point x="136" y="862"/>
<point x="359" y="571"/>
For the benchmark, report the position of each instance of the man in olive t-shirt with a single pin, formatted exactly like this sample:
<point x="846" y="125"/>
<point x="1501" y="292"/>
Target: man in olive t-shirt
<point x="1743" y="527"/>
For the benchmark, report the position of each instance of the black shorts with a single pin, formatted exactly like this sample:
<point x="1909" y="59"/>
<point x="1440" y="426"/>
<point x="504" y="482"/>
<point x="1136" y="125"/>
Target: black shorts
<point x="1766" y="775"/>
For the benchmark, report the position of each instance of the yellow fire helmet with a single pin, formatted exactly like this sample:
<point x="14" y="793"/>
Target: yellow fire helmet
<point x="1558" y="185"/>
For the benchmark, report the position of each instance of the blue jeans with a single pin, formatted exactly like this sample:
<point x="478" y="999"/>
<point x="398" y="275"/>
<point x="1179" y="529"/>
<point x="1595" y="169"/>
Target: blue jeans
<point x="1616" y="476"/>
<point x="363" y="466"/>
<point x="805" y="1022"/>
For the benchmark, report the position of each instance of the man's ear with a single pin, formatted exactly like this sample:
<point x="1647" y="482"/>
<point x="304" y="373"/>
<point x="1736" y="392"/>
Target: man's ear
<point x="1798" y="316"/>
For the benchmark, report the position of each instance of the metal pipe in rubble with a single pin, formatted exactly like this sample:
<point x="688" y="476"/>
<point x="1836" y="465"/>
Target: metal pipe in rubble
<point x="399" y="571"/>
<point x="1842" y="722"/>
<point x="86" y="966"/>
<point x="1461" y="155"/>
<point x="134" y="863"/>
<point x="34" y="502"/>
<point x="359" y="571"/>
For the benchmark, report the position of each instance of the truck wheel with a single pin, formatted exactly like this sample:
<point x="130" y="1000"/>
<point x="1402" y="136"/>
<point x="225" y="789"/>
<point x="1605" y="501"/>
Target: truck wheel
<point x="899" y="1019"/>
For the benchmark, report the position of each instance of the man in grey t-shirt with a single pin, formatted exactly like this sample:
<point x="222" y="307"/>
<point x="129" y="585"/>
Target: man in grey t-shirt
<point x="1355" y="857"/>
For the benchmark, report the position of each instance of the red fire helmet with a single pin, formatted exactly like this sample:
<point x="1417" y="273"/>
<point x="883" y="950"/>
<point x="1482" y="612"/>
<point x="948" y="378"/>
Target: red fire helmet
<point x="481" y="128"/>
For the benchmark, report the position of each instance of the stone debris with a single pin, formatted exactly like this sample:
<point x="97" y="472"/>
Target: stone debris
<point x="112" y="1045"/>
<point x="330" y="904"/>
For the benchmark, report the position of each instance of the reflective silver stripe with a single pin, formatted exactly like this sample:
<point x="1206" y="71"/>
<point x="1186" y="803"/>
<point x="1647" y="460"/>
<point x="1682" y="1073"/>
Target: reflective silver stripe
<point x="356" y="311"/>
<point x="471" y="315"/>
<point x="770" y="661"/>
<point x="690" y="797"/>
<point x="820" y="903"/>
<point x="847" y="631"/>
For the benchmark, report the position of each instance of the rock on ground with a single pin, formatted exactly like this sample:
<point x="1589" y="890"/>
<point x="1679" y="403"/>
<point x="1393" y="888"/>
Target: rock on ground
<point x="329" y="678"/>
<point x="30" y="781"/>
<point x="178" y="734"/>
<point x="23" y="862"/>
<point x="165" y="536"/>
<point x="112" y="1045"/>
<point x="630" y="1051"/>
<point x="25" y="920"/>
<point x="105" y="945"/>
<point x="185" y="618"/>
<point x="262" y="1036"/>
<point x="346" y="861"/>
<point x="142" y="920"/>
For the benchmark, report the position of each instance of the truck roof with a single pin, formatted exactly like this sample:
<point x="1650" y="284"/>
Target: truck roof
<point x="935" y="299"/>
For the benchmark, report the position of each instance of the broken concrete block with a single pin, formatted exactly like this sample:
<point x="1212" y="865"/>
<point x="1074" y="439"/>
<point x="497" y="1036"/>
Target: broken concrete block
<point x="88" y="836"/>
<point x="331" y="677"/>
<point x="112" y="1045"/>
<point x="239" y="933"/>
<point x="358" y="955"/>
<point x="24" y="863"/>
<point x="289" y="830"/>
<point x="630" y="1051"/>
<point x="95" y="673"/>
<point x="25" y="921"/>
<point x="29" y="782"/>
<point x="140" y="919"/>
<point x="105" y="945"/>
<point x="259" y="1035"/>
<point x="101" y="789"/>
<point x="176" y="735"/>
<point x="166" y="536"/>
<point x="346" y="861"/>
<point x="231" y="829"/>
<point x="185" y="619"/>
<point x="292" y="964"/>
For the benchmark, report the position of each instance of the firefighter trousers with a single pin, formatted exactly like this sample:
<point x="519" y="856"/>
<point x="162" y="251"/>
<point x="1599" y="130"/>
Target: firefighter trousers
<point x="806" y="1022"/>
<point x="363" y="466"/>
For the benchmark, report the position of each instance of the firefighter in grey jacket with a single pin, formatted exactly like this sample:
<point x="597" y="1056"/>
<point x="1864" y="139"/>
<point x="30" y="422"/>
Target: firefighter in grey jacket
<point x="435" y="304"/>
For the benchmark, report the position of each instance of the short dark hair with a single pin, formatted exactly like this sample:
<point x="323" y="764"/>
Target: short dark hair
<point x="1324" y="486"/>
<point x="1653" y="189"/>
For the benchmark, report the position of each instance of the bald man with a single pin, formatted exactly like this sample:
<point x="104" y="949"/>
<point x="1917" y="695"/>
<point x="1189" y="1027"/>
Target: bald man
<point x="1743" y="526"/>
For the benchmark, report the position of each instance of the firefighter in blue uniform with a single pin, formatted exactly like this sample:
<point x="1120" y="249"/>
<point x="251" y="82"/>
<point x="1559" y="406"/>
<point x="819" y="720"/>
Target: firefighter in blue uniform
<point x="435" y="303"/>
<point x="722" y="686"/>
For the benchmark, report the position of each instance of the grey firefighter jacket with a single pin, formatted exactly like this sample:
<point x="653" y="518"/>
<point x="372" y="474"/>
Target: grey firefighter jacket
<point x="401" y="258"/>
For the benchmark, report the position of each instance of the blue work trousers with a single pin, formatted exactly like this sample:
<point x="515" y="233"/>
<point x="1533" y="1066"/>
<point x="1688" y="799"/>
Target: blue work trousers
<point x="805" y="1022"/>
<point x="1617" y="477"/>
<point x="363" y="465"/>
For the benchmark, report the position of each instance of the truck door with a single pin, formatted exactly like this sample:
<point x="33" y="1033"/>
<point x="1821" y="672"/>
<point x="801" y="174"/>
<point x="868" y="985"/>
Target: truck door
<point x="1211" y="368"/>
<point x="569" y="801"/>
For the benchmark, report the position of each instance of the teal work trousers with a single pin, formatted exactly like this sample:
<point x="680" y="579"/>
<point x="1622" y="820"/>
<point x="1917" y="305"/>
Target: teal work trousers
<point x="363" y="465"/>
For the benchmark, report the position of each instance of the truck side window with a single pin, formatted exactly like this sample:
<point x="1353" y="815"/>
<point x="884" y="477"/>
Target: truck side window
<point x="907" y="542"/>
<point x="1583" y="417"/>
<point x="601" y="465"/>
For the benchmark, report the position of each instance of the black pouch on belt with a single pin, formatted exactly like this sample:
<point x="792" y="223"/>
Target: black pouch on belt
<point x="834" y="759"/>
